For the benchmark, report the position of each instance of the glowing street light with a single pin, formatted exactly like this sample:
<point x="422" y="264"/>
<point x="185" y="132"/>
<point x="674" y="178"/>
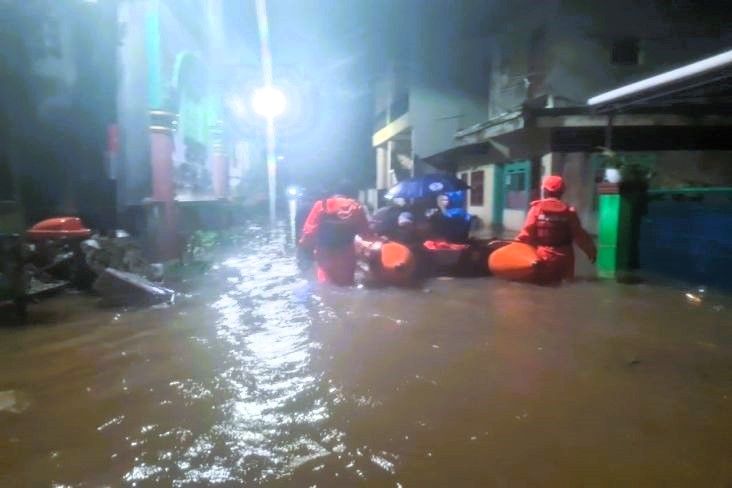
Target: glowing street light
<point x="269" y="102"/>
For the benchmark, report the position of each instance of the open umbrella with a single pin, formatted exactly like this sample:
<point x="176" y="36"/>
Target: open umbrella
<point x="426" y="186"/>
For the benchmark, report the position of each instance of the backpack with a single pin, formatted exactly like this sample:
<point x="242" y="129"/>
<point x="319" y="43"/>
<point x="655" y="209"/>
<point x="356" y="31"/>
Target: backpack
<point x="334" y="232"/>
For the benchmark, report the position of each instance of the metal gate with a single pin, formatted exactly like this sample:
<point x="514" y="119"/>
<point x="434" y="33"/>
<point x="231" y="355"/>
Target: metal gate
<point x="687" y="234"/>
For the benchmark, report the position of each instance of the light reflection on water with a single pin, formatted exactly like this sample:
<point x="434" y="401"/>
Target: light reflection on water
<point x="261" y="378"/>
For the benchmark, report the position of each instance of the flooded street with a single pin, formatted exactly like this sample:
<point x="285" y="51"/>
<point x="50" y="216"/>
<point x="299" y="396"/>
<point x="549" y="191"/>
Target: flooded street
<point x="257" y="377"/>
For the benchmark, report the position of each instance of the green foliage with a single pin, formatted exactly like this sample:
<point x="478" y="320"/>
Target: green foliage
<point x="611" y="159"/>
<point x="633" y="168"/>
<point x="204" y="244"/>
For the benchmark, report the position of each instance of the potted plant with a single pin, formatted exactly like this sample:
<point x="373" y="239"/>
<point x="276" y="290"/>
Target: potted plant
<point x="613" y="164"/>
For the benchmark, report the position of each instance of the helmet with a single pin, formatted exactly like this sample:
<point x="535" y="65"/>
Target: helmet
<point x="553" y="184"/>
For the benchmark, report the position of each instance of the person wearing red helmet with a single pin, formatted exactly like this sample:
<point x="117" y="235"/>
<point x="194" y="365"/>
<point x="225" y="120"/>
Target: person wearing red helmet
<point x="553" y="226"/>
<point x="329" y="231"/>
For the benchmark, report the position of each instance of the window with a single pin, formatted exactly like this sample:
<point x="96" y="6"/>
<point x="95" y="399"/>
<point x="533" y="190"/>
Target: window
<point x="398" y="107"/>
<point x="626" y="52"/>
<point x="47" y="40"/>
<point x="476" y="188"/>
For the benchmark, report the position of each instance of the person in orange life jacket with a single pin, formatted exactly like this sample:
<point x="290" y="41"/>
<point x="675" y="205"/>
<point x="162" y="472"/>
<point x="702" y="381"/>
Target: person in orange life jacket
<point x="329" y="231"/>
<point x="552" y="226"/>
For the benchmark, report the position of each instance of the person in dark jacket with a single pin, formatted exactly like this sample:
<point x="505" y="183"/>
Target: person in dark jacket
<point x="448" y="224"/>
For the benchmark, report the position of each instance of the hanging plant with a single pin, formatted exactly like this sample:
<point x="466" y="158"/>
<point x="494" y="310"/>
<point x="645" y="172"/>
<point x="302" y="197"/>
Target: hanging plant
<point x="613" y="164"/>
<point x="611" y="159"/>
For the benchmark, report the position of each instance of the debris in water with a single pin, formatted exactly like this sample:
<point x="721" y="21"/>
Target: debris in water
<point x="13" y="401"/>
<point x="634" y="362"/>
<point x="693" y="298"/>
<point x="122" y="288"/>
<point x="114" y="421"/>
<point x="383" y="463"/>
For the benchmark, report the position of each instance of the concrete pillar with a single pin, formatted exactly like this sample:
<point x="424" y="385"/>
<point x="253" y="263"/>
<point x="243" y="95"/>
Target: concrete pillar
<point x="133" y="175"/>
<point x="391" y="179"/>
<point x="219" y="162"/>
<point x="163" y="184"/>
<point x="382" y="169"/>
<point x="550" y="165"/>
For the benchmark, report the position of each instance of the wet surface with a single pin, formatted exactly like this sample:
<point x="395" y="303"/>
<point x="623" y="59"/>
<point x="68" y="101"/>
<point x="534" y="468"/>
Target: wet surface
<point x="260" y="378"/>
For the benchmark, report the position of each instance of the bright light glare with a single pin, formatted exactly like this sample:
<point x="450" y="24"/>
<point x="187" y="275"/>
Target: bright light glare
<point x="268" y="102"/>
<point x="292" y="191"/>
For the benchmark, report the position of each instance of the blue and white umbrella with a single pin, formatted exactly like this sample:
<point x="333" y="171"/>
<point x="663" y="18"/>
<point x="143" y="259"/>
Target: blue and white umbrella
<point x="427" y="186"/>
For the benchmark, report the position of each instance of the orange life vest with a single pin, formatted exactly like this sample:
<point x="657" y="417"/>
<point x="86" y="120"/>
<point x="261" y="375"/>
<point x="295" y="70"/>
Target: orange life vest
<point x="552" y="223"/>
<point x="335" y="230"/>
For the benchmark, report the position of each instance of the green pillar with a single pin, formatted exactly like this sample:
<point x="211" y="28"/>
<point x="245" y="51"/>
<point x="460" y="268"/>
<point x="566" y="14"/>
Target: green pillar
<point x="614" y="231"/>
<point x="153" y="52"/>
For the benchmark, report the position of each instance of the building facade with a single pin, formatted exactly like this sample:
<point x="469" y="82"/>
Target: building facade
<point x="58" y="105"/>
<point x="560" y="55"/>
<point x="539" y="63"/>
<point x="428" y="87"/>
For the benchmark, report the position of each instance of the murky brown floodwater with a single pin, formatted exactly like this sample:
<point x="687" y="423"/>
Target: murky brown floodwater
<point x="259" y="378"/>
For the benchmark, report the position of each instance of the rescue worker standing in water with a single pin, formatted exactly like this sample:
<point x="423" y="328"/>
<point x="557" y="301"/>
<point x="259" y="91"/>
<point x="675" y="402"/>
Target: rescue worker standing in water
<point x="329" y="231"/>
<point x="552" y="226"/>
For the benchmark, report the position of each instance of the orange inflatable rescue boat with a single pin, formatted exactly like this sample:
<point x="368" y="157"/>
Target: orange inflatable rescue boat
<point x="516" y="261"/>
<point x="59" y="228"/>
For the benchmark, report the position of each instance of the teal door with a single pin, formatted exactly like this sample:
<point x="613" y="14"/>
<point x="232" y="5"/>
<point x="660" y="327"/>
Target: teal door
<point x="517" y="185"/>
<point x="498" y="196"/>
<point x="516" y="193"/>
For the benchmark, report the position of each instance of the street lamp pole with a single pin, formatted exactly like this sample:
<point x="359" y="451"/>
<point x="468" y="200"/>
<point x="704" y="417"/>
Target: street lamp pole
<point x="271" y="170"/>
<point x="268" y="102"/>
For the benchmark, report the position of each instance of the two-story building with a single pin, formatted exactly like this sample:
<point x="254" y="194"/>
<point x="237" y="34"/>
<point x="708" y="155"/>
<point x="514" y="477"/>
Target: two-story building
<point x="539" y="63"/>
<point x="430" y="85"/>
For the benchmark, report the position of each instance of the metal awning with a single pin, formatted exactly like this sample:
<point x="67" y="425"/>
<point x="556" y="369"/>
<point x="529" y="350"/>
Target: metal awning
<point x="693" y="83"/>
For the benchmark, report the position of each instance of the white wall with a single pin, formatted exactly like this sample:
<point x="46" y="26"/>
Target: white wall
<point x="436" y="114"/>
<point x="579" y="177"/>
